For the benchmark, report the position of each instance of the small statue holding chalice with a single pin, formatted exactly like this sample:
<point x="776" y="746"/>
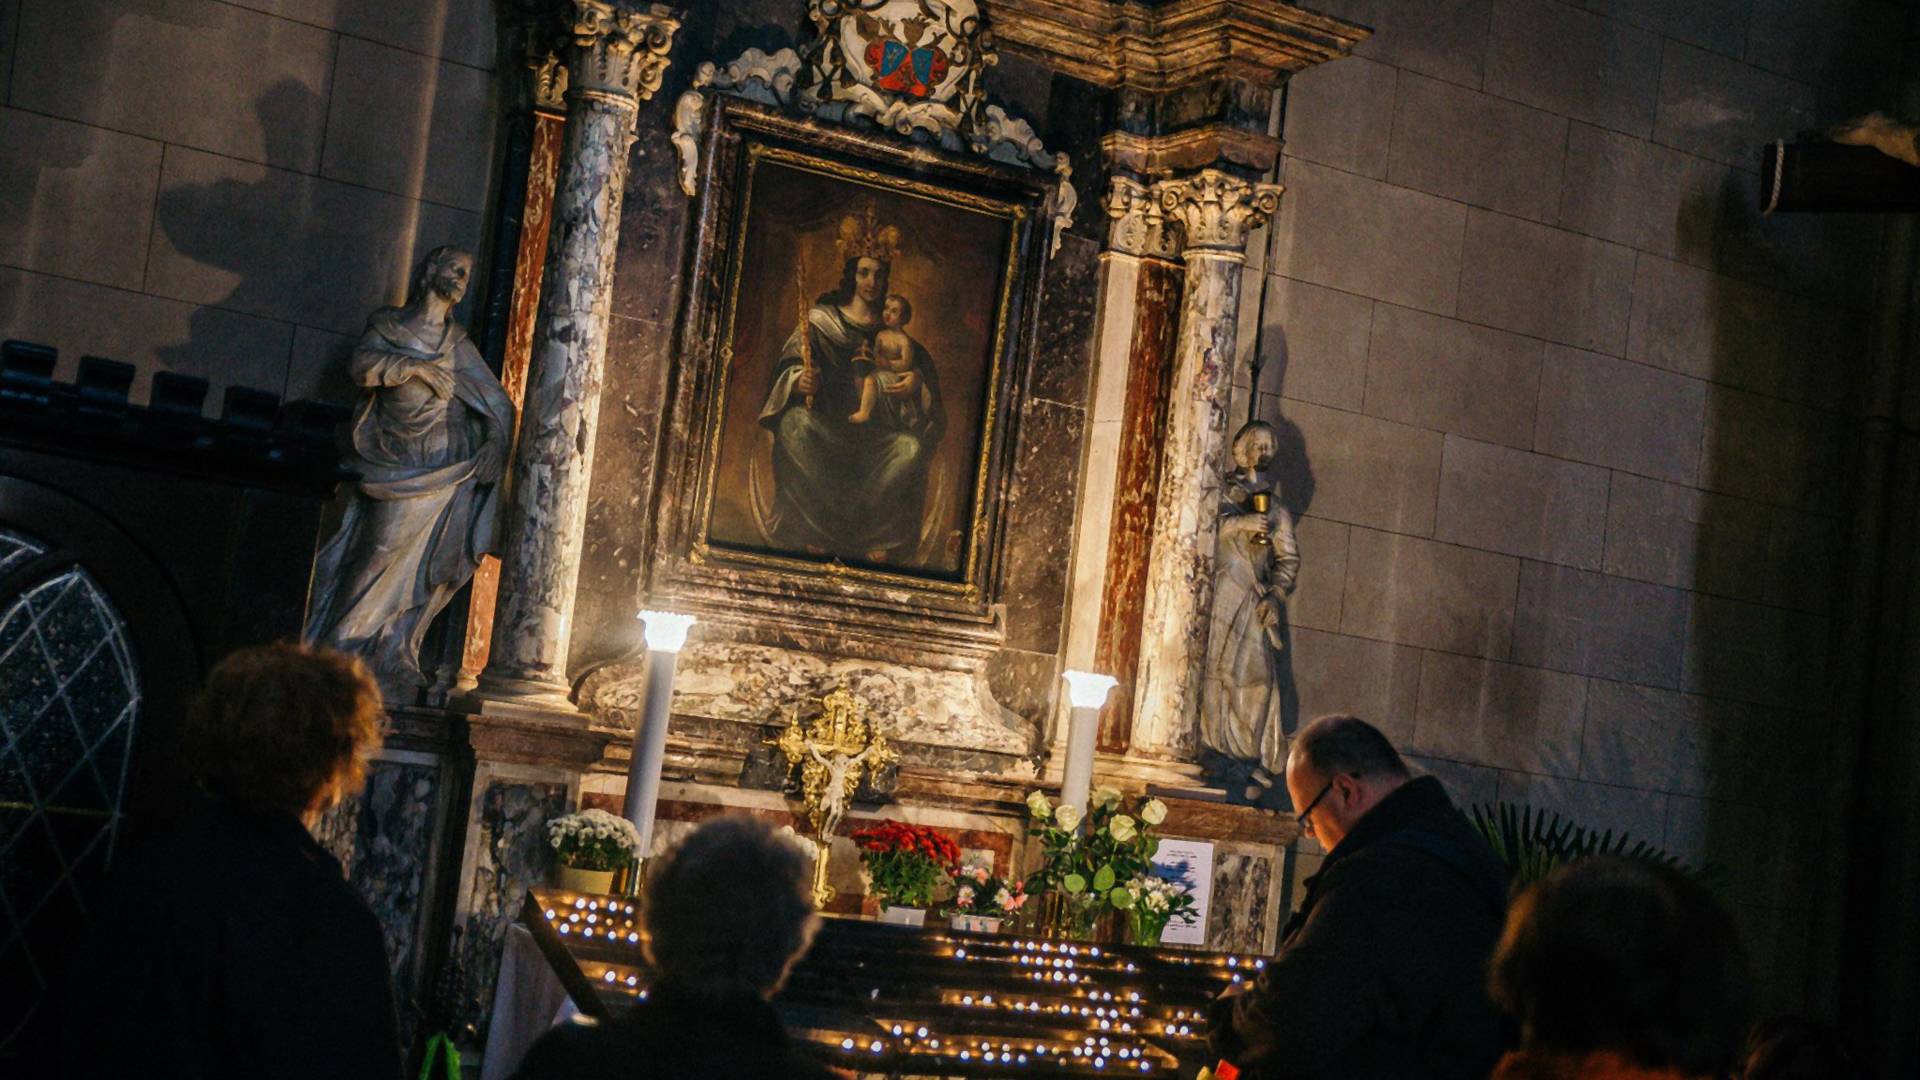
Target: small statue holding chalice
<point x="1256" y="564"/>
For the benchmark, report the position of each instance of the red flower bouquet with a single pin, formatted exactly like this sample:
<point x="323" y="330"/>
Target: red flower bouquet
<point x="906" y="863"/>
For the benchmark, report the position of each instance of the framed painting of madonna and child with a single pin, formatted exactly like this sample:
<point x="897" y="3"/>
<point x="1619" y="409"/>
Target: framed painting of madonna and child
<point x="864" y="315"/>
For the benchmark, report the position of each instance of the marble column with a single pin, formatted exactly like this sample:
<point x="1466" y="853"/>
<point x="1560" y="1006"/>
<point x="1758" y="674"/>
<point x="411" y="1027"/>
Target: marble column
<point x="1143" y="234"/>
<point x="616" y="60"/>
<point x="1216" y="212"/>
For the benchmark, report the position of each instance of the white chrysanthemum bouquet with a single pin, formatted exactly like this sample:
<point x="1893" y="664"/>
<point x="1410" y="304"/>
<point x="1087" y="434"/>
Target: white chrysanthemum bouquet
<point x="594" y="840"/>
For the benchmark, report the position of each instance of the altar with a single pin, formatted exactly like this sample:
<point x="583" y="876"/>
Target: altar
<point x="911" y="386"/>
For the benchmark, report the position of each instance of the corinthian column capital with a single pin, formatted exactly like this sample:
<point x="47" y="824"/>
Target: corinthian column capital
<point x="1217" y="211"/>
<point x="1136" y="224"/>
<point x="619" y="48"/>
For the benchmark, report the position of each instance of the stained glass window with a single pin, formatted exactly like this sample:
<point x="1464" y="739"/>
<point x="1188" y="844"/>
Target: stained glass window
<point x="69" y="695"/>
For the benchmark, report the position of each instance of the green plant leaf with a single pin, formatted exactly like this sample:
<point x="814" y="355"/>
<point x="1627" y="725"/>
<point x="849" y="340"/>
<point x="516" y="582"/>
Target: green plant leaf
<point x="1120" y="898"/>
<point x="1074" y="884"/>
<point x="1103" y="879"/>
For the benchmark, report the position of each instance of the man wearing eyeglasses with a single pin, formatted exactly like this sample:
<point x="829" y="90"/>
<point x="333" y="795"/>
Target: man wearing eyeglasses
<point x="1382" y="973"/>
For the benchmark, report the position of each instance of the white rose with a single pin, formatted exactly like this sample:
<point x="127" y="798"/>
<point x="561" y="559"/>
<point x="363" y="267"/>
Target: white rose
<point x="1154" y="812"/>
<point x="1067" y="817"/>
<point x="1121" y="828"/>
<point x="1038" y="806"/>
<point x="1104" y="797"/>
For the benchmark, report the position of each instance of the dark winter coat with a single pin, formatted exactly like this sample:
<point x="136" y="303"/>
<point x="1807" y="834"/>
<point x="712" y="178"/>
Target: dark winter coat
<point x="672" y="1036"/>
<point x="1383" y="972"/>
<point x="234" y="947"/>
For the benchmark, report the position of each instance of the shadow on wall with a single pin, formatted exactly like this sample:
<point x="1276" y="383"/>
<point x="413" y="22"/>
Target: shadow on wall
<point x="241" y="227"/>
<point x="1292" y="474"/>
<point x="1783" y="355"/>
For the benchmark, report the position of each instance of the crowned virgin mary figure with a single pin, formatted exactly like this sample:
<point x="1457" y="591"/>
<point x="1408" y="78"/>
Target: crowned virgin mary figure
<point x="841" y="488"/>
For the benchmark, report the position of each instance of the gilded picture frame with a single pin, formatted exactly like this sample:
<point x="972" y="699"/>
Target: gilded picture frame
<point x="851" y="361"/>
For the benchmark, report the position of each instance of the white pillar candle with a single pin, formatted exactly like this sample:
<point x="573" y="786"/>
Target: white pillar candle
<point x="666" y="633"/>
<point x="1087" y="692"/>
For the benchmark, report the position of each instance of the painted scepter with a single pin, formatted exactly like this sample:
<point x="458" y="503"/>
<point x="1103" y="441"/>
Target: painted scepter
<point x="806" y="332"/>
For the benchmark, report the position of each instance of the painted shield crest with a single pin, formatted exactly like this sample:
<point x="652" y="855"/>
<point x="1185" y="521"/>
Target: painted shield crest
<point x="917" y="50"/>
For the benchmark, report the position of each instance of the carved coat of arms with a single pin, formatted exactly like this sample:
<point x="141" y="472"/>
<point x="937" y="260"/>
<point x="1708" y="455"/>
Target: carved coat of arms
<point x="904" y="64"/>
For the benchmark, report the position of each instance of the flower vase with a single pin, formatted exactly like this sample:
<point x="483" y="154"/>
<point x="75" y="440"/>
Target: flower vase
<point x="903" y="916"/>
<point x="1145" y="929"/>
<point x="1068" y="915"/>
<point x="574" y="879"/>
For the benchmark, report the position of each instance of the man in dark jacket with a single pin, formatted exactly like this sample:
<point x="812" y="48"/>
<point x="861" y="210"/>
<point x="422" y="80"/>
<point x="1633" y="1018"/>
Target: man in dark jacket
<point x="728" y="913"/>
<point x="1383" y="972"/>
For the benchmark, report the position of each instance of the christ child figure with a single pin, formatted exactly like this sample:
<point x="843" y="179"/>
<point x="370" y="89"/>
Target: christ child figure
<point x="894" y="357"/>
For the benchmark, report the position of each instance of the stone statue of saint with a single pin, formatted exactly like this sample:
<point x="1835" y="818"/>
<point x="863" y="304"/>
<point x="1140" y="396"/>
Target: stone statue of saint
<point x="429" y="442"/>
<point x="1256" y="563"/>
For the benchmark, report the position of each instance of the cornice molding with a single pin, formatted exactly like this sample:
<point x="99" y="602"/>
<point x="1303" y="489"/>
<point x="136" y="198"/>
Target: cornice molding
<point x="1128" y="43"/>
<point x="1190" y="149"/>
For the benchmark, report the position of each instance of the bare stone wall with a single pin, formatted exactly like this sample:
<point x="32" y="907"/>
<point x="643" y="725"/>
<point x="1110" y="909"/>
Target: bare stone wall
<point x="225" y="189"/>
<point x="1570" y="419"/>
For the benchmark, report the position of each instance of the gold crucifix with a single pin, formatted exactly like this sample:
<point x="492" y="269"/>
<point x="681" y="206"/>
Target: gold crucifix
<point x="831" y="750"/>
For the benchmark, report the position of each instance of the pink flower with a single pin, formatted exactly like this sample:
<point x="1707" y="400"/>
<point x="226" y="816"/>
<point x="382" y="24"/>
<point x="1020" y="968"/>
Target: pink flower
<point x="980" y="874"/>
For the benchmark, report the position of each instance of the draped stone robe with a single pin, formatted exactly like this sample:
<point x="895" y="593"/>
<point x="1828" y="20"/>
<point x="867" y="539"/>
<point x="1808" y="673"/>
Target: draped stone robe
<point x="419" y="518"/>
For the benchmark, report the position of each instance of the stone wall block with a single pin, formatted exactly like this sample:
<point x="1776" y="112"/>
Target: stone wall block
<point x="289" y="246"/>
<point x="1677" y="316"/>
<point x="1847" y="44"/>
<point x="1644" y="737"/>
<point x="75" y="201"/>
<point x="192" y="72"/>
<point x="153" y="334"/>
<point x="1720" y="25"/>
<point x="1751" y="652"/>
<point x="1367" y="471"/>
<point x="1344" y="113"/>
<point x="1722" y="109"/>
<point x="1640" y="813"/>
<point x="1446" y="39"/>
<point x="1323" y="573"/>
<point x="1691" y="539"/>
<point x="1374" y="680"/>
<point x="1469" y="785"/>
<point x="1595" y="624"/>
<point x="1578" y="290"/>
<point x="1362" y="236"/>
<point x="1314" y="343"/>
<point x="318" y="369"/>
<point x="1451" y="376"/>
<point x="1623" y="415"/>
<point x="1771" y="450"/>
<point x="1503" y="715"/>
<point x="1438" y="596"/>
<point x="1643" y="195"/>
<point x="1574" y="63"/>
<point x="1727" y="330"/>
<point x="1511" y="501"/>
<point x="459" y="30"/>
<point x="1477" y="149"/>
<point x="409" y="124"/>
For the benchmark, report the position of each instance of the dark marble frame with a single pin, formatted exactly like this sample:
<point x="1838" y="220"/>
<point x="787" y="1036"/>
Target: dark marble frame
<point x="796" y="603"/>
